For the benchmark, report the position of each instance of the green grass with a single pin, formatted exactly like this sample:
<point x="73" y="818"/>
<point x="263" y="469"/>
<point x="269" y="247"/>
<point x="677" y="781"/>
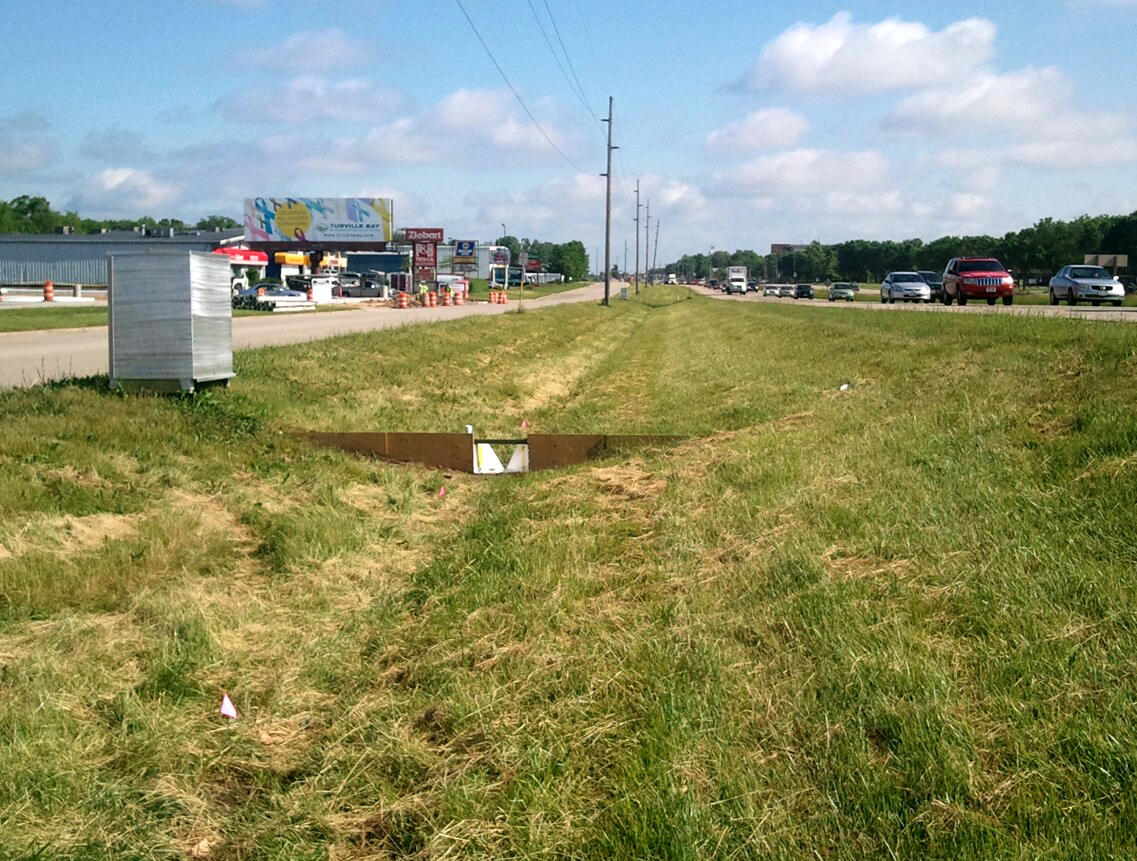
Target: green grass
<point x="479" y="289"/>
<point x="894" y="621"/>
<point x="35" y="319"/>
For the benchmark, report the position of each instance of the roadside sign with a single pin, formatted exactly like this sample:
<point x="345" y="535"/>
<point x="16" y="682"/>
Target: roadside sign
<point x="423" y="234"/>
<point x="465" y="251"/>
<point x="426" y="255"/>
<point x="501" y="256"/>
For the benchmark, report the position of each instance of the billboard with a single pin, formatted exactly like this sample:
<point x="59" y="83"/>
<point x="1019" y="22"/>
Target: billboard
<point x="501" y="256"/>
<point x="465" y="251"/>
<point x="318" y="219"/>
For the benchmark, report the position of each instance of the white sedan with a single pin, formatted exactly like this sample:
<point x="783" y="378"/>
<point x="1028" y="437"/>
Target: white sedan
<point x="906" y="286"/>
<point x="1085" y="284"/>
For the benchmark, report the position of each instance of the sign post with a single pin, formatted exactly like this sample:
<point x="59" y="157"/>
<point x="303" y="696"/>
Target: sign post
<point x="425" y="240"/>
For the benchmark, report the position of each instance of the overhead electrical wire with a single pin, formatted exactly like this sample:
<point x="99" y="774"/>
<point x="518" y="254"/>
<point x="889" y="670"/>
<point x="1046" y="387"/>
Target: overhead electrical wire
<point x="513" y="89"/>
<point x="568" y="59"/>
<point x="576" y="92"/>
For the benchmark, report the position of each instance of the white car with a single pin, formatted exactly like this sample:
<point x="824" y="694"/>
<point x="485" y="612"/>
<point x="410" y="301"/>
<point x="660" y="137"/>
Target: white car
<point x="1085" y="284"/>
<point x="906" y="286"/>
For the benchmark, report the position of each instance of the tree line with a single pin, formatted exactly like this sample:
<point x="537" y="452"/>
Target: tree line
<point x="27" y="214"/>
<point x="1035" y="252"/>
<point x="568" y="258"/>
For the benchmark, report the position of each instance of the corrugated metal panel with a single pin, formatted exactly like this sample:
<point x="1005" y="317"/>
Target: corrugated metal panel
<point x="77" y="262"/>
<point x="170" y="318"/>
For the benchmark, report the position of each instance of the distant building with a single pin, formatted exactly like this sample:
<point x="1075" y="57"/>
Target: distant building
<point x="74" y="258"/>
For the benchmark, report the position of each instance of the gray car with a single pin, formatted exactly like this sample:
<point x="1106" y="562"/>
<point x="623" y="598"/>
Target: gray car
<point x="842" y="290"/>
<point x="1085" y="284"/>
<point x="906" y="286"/>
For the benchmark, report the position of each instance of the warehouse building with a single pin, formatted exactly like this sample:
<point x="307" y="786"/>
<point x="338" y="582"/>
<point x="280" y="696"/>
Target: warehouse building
<point x="73" y="258"/>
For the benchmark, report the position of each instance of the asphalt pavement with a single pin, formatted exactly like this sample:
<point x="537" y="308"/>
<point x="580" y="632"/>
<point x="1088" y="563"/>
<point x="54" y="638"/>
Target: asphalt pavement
<point x="30" y="358"/>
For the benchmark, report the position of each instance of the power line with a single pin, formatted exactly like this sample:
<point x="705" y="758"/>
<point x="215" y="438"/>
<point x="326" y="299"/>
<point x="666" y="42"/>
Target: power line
<point x="568" y="59"/>
<point x="560" y="65"/>
<point x="513" y="90"/>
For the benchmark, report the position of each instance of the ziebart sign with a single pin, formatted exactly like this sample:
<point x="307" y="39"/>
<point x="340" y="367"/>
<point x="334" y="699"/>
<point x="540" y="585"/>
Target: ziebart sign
<point x="423" y="234"/>
<point x="318" y="219"/>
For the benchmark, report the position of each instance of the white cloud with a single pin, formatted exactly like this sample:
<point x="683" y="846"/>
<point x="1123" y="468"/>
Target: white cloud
<point x="25" y="144"/>
<point x="842" y="56"/>
<point x="319" y="50"/>
<point x="769" y="128"/>
<point x="305" y="99"/>
<point x="124" y="189"/>
<point x="805" y="172"/>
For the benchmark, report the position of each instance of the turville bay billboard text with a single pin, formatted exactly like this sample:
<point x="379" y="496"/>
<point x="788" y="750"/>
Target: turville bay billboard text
<point x="318" y="219"/>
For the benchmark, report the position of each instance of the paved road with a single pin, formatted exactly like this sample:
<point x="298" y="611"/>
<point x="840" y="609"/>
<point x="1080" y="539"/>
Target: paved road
<point x="28" y="358"/>
<point x="1102" y="313"/>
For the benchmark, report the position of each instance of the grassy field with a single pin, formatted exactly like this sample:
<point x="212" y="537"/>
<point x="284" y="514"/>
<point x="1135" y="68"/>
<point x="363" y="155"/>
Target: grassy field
<point x="37" y="318"/>
<point x="893" y="621"/>
<point x="480" y="289"/>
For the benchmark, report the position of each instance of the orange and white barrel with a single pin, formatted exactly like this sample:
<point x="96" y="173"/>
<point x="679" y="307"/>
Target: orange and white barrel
<point x="48" y="291"/>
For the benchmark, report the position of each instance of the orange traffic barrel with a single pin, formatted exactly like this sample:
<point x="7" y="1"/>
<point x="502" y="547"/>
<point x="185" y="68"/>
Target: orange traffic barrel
<point x="404" y="301"/>
<point x="48" y="291"/>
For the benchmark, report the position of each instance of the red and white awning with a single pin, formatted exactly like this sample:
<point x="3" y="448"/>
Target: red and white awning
<point x="243" y="256"/>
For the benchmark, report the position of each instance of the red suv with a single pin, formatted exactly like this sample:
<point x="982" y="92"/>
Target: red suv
<point x="977" y="278"/>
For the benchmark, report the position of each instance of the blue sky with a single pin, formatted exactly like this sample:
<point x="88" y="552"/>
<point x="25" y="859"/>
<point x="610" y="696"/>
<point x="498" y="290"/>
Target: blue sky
<point x="746" y="123"/>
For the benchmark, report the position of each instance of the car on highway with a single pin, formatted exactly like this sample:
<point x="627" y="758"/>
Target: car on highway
<point x="770" y="290"/>
<point x="803" y="291"/>
<point x="905" y="286"/>
<point x="1091" y="284"/>
<point x="977" y="278"/>
<point x="786" y="291"/>
<point x="934" y="280"/>
<point x="842" y="290"/>
<point x="713" y="284"/>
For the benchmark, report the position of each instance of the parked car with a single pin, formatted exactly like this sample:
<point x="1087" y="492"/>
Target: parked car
<point x="842" y="290"/>
<point x="977" y="278"/>
<point x="934" y="280"/>
<point x="770" y="290"/>
<point x="1085" y="284"/>
<point x="803" y="291"/>
<point x="786" y="291"/>
<point x="906" y="286"/>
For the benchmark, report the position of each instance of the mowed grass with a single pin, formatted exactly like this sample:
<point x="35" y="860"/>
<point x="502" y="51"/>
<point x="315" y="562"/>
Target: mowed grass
<point x="893" y="621"/>
<point x="35" y="319"/>
<point x="18" y="319"/>
<point x="480" y="289"/>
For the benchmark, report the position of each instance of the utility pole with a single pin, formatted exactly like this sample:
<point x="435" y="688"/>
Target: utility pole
<point x="625" y="270"/>
<point x="637" y="221"/>
<point x="655" y="248"/>
<point x="608" y="210"/>
<point x="647" y="243"/>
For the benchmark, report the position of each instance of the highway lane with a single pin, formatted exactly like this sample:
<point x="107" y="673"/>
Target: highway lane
<point x="1101" y="314"/>
<point x="30" y="358"/>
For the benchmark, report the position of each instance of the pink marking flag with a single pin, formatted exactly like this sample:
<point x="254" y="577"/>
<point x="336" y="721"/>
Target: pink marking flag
<point x="227" y="707"/>
<point x="442" y="491"/>
<point x="524" y="424"/>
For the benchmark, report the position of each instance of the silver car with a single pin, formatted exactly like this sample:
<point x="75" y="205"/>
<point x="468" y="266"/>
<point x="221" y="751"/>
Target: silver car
<point x="770" y="290"/>
<point x="1085" y="284"/>
<point x="906" y="286"/>
<point x="842" y="290"/>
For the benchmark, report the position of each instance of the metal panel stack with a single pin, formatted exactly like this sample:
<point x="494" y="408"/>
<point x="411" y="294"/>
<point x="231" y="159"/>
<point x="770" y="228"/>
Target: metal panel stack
<point x="170" y="320"/>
